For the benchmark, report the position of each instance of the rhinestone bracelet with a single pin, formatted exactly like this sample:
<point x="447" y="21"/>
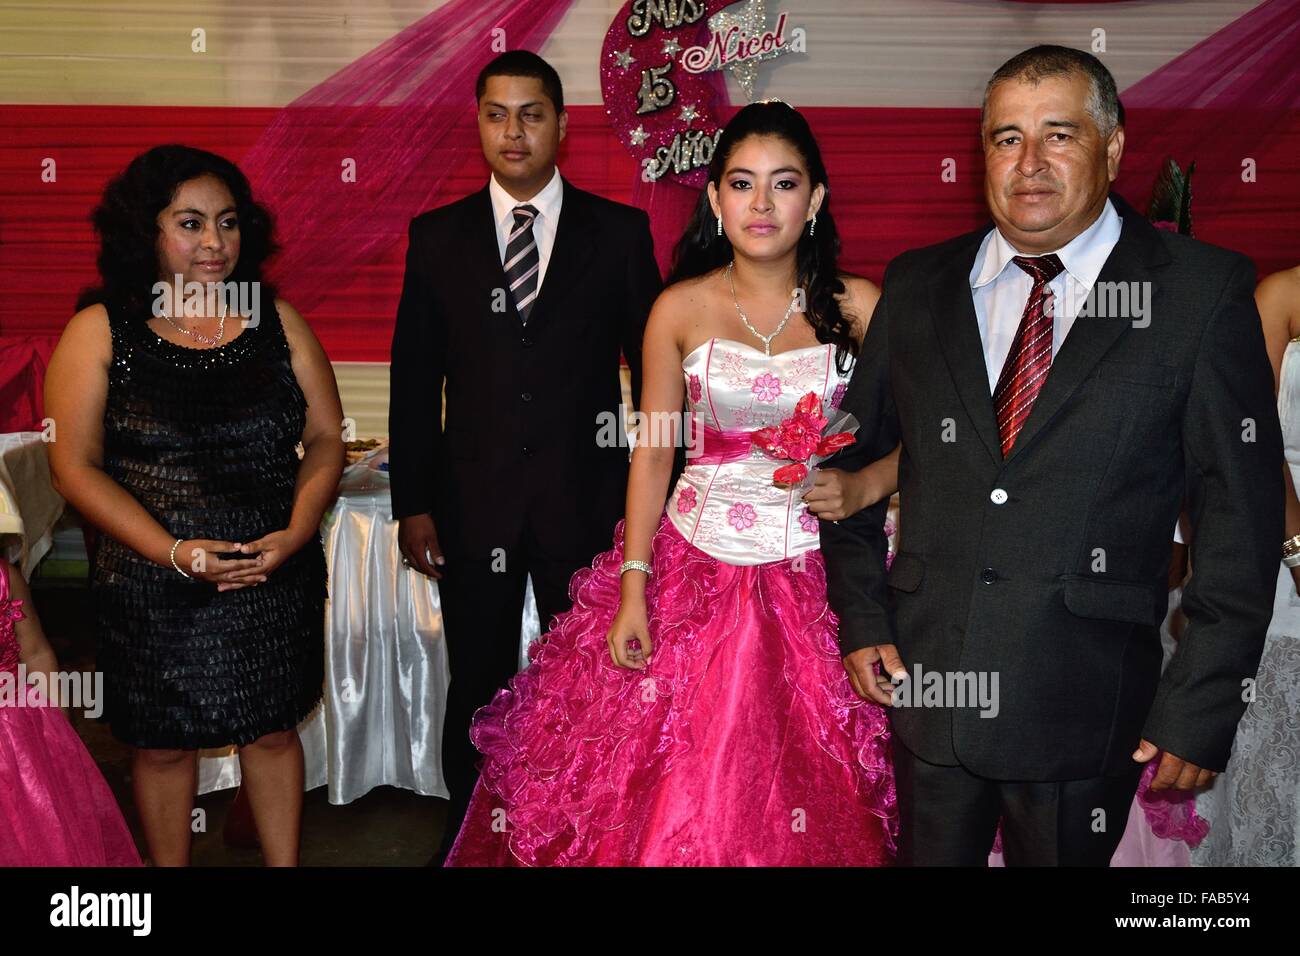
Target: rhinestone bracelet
<point x="174" y="564"/>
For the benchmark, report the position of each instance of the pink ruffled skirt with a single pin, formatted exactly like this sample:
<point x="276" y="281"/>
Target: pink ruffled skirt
<point x="55" y="808"/>
<point x="741" y="743"/>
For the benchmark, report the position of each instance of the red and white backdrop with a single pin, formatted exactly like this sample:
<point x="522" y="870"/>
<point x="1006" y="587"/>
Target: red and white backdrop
<point x="302" y="94"/>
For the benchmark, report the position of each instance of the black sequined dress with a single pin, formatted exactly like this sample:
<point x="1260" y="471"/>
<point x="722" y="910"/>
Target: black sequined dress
<point x="205" y="440"/>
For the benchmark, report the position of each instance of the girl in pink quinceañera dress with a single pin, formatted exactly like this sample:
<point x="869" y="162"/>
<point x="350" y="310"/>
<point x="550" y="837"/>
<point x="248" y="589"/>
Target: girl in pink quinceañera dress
<point x="55" y="808"/>
<point x="738" y="740"/>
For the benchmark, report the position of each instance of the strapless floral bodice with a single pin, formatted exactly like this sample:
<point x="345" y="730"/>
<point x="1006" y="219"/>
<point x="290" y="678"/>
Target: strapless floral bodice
<point x="733" y="511"/>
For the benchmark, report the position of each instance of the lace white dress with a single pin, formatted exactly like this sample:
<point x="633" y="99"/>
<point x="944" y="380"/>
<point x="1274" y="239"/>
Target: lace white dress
<point x="1252" y="805"/>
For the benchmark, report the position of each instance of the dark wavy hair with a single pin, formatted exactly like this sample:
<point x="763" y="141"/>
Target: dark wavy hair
<point x="126" y="222"/>
<point x="701" y="249"/>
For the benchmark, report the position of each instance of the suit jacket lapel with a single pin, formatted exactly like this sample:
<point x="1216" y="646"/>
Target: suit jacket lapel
<point x="484" y="254"/>
<point x="1138" y="250"/>
<point x="953" y="310"/>
<point x="573" y="247"/>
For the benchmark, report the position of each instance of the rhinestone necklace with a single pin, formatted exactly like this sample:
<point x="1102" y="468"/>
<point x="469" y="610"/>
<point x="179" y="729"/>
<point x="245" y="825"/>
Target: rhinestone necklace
<point x="765" y="339"/>
<point x="206" y="339"/>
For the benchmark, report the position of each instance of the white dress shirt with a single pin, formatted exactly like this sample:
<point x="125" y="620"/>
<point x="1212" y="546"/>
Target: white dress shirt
<point x="547" y="202"/>
<point x="1001" y="288"/>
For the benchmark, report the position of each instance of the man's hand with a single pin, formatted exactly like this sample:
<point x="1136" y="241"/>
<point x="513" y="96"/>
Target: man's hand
<point x="869" y="685"/>
<point x="418" y="541"/>
<point x="1174" y="771"/>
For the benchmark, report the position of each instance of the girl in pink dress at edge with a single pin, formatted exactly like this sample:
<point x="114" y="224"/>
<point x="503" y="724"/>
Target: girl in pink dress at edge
<point x="55" y="808"/>
<point x="698" y="714"/>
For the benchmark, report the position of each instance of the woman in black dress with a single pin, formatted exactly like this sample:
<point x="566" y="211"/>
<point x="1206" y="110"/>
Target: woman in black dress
<point x="177" y="424"/>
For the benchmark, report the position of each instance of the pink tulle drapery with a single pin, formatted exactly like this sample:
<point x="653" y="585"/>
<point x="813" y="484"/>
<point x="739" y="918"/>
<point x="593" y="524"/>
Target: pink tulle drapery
<point x="388" y="116"/>
<point x="1224" y="102"/>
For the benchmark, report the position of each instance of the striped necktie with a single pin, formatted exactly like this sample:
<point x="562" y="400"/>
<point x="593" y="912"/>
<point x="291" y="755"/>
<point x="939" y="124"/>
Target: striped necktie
<point x="523" y="261"/>
<point x="1030" y="359"/>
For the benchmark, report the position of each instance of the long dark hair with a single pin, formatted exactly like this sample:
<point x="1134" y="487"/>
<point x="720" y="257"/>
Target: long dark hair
<point x="701" y="249"/>
<point x="126" y="221"/>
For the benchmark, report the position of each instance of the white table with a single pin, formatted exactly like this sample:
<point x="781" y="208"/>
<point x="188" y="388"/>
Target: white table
<point x="29" y="505"/>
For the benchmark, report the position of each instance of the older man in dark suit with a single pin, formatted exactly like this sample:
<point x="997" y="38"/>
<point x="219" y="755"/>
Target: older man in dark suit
<point x="1063" y="382"/>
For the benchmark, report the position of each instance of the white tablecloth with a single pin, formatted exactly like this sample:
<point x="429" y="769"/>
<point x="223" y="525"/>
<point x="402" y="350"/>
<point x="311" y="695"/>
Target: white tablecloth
<point x="386" y="673"/>
<point x="29" y="505"/>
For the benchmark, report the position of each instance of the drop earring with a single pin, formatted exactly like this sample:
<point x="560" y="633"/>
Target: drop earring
<point x="812" y="226"/>
<point x="719" y="225"/>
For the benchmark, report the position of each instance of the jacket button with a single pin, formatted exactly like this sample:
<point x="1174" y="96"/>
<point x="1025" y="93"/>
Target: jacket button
<point x="988" y="575"/>
<point x="998" y="496"/>
<point x="527" y="396"/>
<point x="528" y="451"/>
<point x="526" y="342"/>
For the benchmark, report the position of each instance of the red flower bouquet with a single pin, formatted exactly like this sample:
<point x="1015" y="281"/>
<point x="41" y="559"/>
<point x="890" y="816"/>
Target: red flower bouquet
<point x="799" y="438"/>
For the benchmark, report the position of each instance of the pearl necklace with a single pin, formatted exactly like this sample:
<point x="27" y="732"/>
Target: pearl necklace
<point x="207" y="340"/>
<point x="765" y="339"/>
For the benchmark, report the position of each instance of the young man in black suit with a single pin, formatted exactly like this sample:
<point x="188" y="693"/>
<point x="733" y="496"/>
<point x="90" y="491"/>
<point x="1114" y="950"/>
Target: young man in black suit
<point x="517" y="298"/>
<point x="1047" y="449"/>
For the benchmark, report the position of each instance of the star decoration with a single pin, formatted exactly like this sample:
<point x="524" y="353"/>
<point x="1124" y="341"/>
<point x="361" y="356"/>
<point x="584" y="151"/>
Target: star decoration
<point x="623" y="58"/>
<point x="639" y="136"/>
<point x="751" y="19"/>
<point x="689" y="113"/>
<point x="672" y="47"/>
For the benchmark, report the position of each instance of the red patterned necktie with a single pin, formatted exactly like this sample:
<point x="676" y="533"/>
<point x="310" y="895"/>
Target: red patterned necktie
<point x="1030" y="358"/>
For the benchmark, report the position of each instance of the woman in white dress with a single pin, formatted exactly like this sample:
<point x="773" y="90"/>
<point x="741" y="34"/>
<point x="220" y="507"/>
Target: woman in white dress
<point x="1252" y="805"/>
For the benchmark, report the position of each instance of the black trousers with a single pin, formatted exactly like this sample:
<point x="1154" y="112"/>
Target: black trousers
<point x="948" y="816"/>
<point x="482" y="606"/>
